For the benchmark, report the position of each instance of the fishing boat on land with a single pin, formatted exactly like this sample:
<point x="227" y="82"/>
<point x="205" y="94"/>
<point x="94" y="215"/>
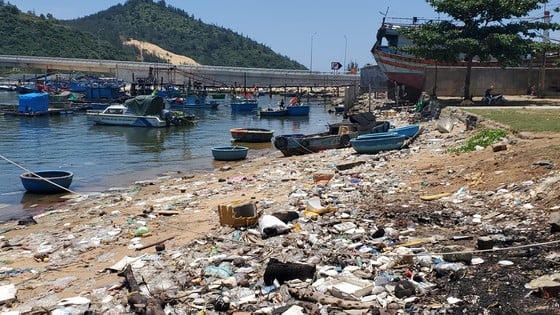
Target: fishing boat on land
<point x="251" y="134"/>
<point x="141" y="111"/>
<point x="375" y="143"/>
<point x="400" y="67"/>
<point x="409" y="131"/>
<point x="338" y="136"/>
<point x="299" y="144"/>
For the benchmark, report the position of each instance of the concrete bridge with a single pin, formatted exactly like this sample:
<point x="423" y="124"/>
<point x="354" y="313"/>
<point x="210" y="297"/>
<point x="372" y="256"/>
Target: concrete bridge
<point x="211" y="76"/>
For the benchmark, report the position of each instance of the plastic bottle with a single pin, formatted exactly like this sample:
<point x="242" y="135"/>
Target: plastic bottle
<point x="141" y="230"/>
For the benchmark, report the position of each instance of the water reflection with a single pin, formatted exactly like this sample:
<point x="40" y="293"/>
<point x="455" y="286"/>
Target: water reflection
<point x="30" y="200"/>
<point x="293" y="124"/>
<point x="38" y="122"/>
<point x="147" y="140"/>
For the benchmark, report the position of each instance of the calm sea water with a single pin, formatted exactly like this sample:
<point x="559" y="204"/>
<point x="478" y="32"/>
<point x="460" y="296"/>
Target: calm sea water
<point x="109" y="156"/>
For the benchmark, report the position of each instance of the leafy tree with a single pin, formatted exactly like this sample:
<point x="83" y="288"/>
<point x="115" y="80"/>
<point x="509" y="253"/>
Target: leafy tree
<point x="480" y="30"/>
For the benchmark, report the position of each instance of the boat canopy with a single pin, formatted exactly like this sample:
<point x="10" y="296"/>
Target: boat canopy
<point x="145" y="105"/>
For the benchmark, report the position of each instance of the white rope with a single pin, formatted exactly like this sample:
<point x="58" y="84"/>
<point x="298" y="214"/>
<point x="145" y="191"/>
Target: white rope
<point x="39" y="176"/>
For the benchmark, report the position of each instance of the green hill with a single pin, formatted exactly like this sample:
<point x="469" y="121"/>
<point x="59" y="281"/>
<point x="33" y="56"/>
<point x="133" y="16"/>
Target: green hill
<point x="102" y="36"/>
<point x="27" y="34"/>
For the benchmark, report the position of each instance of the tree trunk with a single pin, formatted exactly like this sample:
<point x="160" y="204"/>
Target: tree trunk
<point x="467" y="90"/>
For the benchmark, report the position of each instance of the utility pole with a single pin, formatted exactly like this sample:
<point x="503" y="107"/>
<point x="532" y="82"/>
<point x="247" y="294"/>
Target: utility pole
<point x="546" y="39"/>
<point x="311" y="58"/>
<point x="345" y="47"/>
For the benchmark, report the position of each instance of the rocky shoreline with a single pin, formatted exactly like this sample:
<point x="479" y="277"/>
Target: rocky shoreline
<point x="416" y="230"/>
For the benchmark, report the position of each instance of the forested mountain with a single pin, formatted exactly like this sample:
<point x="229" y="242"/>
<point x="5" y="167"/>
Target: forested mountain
<point x="101" y="36"/>
<point x="27" y="34"/>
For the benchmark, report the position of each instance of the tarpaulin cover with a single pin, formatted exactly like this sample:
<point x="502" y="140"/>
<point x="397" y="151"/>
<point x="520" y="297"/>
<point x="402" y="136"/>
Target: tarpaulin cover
<point x="145" y="105"/>
<point x="33" y="102"/>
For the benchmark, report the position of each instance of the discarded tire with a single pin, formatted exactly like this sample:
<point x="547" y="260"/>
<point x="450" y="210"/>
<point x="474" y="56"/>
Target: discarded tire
<point x="287" y="271"/>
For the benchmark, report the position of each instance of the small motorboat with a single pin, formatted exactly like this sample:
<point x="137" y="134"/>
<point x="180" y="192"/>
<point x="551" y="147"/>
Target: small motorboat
<point x="46" y="182"/>
<point x="141" y="111"/>
<point x="273" y="112"/>
<point x="230" y="153"/>
<point x="243" y="104"/>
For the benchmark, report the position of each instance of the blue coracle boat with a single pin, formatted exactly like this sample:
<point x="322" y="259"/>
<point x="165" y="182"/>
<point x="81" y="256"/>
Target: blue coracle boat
<point x="375" y="143"/>
<point x="41" y="182"/>
<point x="230" y="153"/>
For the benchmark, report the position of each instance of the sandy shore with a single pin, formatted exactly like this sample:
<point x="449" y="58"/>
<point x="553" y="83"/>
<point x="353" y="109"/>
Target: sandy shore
<point x="67" y="252"/>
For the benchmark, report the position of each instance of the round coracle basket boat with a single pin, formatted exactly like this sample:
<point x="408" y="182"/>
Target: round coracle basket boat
<point x="230" y="153"/>
<point x="46" y="182"/>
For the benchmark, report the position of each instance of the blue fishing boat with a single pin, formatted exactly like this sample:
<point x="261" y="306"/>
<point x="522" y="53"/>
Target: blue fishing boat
<point x="375" y="143"/>
<point x="191" y="102"/>
<point x="243" y="104"/>
<point x="46" y="182"/>
<point x="298" y="110"/>
<point x="107" y="89"/>
<point x="409" y="131"/>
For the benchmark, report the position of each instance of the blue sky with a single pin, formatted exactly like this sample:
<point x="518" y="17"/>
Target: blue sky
<point x="312" y="32"/>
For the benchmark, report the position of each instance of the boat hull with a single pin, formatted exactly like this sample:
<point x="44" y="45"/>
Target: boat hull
<point x="251" y="134"/>
<point x="385" y="141"/>
<point x="242" y="104"/>
<point x="273" y="112"/>
<point x="298" y="110"/>
<point x="299" y="144"/>
<point x="409" y="131"/>
<point x="230" y="153"/>
<point x="40" y="182"/>
<point x="125" y="120"/>
<point x="403" y="70"/>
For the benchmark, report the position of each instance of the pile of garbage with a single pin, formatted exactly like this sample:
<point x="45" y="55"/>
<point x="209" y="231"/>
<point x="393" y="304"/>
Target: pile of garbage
<point x="333" y="233"/>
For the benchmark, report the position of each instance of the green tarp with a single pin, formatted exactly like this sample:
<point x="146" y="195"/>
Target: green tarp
<point x="145" y="105"/>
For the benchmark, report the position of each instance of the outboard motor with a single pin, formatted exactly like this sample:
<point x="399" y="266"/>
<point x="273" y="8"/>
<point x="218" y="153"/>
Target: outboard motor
<point x="168" y="116"/>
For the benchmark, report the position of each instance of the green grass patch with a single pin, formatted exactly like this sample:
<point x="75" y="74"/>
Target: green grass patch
<point x="484" y="138"/>
<point x="523" y="119"/>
